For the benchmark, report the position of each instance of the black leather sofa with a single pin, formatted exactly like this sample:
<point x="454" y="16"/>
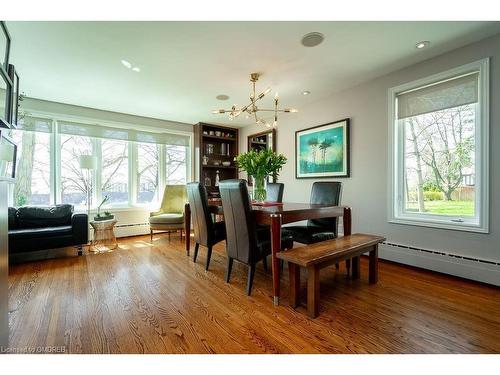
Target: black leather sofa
<point x="33" y="228"/>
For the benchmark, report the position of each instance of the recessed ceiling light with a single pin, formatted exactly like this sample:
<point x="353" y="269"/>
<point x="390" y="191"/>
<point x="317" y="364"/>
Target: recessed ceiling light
<point x="306" y="92"/>
<point x="422" y="44"/>
<point x="222" y="97"/>
<point x="312" y="39"/>
<point x="126" y="64"/>
<point x="136" y="69"/>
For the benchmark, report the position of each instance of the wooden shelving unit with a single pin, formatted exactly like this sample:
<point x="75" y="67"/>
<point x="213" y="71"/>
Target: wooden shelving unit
<point x="215" y="145"/>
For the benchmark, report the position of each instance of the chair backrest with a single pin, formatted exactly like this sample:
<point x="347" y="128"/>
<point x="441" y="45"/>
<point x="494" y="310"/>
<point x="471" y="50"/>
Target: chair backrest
<point x="174" y="199"/>
<point x="203" y="226"/>
<point x="326" y="193"/>
<point x="275" y="192"/>
<point x="240" y="224"/>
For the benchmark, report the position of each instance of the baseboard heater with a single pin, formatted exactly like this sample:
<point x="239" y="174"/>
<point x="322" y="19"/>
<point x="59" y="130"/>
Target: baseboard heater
<point x="442" y="253"/>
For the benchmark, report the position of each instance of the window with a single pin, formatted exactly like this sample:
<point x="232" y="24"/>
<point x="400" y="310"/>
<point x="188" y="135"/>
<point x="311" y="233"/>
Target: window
<point x="132" y="166"/>
<point x="148" y="159"/>
<point x="439" y="150"/>
<point x="74" y="180"/>
<point x="175" y="164"/>
<point x="114" y="175"/>
<point x="33" y="174"/>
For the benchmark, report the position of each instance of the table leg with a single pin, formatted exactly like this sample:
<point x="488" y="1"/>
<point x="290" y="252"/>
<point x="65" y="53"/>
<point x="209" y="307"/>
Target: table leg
<point x="313" y="291"/>
<point x="355" y="267"/>
<point x="275" y="248"/>
<point x="373" y="265"/>
<point x="187" y="226"/>
<point x="294" y="276"/>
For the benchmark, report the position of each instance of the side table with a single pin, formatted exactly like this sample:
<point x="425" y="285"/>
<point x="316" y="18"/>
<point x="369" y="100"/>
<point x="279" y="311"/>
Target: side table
<point x="104" y="236"/>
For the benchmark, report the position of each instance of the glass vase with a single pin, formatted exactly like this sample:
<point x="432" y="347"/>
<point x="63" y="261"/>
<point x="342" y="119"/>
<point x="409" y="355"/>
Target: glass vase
<point x="259" y="192"/>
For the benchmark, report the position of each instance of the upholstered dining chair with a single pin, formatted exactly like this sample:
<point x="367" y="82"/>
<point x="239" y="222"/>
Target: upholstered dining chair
<point x="170" y="216"/>
<point x="275" y="192"/>
<point x="244" y="242"/>
<point x="317" y="230"/>
<point x="206" y="232"/>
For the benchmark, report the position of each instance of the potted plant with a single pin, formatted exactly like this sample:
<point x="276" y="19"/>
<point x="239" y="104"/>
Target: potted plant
<point x="107" y="215"/>
<point x="259" y="165"/>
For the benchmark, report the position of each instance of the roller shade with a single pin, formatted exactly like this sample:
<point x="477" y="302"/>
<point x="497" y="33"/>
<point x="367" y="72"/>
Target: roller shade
<point x="451" y="93"/>
<point x="35" y="124"/>
<point x="96" y="131"/>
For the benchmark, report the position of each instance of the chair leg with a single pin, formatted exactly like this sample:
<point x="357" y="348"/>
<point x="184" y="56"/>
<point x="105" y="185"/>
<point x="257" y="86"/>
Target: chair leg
<point x="169" y="235"/>
<point x="348" y="266"/>
<point x="196" y="247"/>
<point x="151" y="234"/>
<point x="181" y="234"/>
<point x="209" y="255"/>
<point x="80" y="250"/>
<point x="264" y="262"/>
<point x="229" y="268"/>
<point x="337" y="266"/>
<point x="251" y="273"/>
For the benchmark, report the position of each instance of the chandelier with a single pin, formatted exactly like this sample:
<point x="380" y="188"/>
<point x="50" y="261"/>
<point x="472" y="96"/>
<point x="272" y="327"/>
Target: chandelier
<point x="251" y="110"/>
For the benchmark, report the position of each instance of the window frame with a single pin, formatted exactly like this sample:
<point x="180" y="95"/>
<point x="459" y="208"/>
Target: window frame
<point x="396" y="159"/>
<point x="55" y="164"/>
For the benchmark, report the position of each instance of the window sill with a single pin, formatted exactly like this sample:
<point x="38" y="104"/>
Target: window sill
<point x="440" y="224"/>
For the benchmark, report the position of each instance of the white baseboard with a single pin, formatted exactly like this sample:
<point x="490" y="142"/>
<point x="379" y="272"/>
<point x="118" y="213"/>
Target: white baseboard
<point x="468" y="269"/>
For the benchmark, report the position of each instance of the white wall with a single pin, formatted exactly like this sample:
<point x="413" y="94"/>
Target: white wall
<point x="366" y="190"/>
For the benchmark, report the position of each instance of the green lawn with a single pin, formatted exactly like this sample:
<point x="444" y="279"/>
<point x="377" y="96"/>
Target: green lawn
<point x="459" y="208"/>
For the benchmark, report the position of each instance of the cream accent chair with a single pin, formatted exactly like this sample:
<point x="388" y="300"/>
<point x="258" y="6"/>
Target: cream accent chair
<point x="170" y="216"/>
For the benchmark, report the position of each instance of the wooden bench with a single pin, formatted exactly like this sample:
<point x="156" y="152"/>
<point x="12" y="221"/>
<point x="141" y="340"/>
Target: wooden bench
<point x="322" y="254"/>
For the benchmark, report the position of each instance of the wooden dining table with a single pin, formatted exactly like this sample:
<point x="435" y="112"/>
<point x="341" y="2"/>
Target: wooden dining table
<point x="275" y="216"/>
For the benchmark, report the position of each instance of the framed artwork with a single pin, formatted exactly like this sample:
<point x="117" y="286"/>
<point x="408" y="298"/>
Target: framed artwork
<point x="14" y="98"/>
<point x="4" y="46"/>
<point x="323" y="151"/>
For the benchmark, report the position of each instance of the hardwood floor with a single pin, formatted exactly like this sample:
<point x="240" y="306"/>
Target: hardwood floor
<point x="145" y="298"/>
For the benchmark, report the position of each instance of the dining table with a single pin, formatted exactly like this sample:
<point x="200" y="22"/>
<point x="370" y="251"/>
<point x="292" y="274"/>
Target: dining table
<point x="276" y="215"/>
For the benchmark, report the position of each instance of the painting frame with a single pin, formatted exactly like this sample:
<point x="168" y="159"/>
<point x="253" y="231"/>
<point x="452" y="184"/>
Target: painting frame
<point x="344" y="125"/>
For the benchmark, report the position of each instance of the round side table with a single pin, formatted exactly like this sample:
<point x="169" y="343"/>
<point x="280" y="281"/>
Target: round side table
<point x="104" y="236"/>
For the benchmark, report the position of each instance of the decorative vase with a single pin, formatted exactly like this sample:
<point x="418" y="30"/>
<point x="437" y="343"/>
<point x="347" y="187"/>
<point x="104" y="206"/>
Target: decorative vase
<point x="259" y="192"/>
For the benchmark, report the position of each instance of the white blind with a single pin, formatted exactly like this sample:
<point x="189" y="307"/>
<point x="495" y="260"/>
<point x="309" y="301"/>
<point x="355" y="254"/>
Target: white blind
<point x="97" y="131"/>
<point x="35" y="124"/>
<point x="451" y="93"/>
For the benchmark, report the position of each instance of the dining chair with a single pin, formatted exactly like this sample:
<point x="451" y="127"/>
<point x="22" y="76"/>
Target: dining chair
<point x="206" y="232"/>
<point x="170" y="216"/>
<point x="244" y="242"/>
<point x="317" y="230"/>
<point x="275" y="192"/>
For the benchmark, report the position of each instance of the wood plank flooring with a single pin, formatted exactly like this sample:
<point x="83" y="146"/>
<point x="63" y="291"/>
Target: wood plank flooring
<point x="144" y="298"/>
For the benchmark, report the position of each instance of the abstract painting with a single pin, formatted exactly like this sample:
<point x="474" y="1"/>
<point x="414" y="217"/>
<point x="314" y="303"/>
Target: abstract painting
<point x="323" y="151"/>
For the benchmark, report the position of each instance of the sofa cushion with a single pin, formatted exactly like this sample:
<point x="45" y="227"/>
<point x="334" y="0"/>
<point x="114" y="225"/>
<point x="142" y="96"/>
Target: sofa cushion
<point x="13" y="224"/>
<point x="38" y="233"/>
<point x="44" y="216"/>
<point x="167" y="219"/>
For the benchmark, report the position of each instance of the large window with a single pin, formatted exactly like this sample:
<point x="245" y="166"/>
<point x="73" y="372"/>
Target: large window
<point x="114" y="176"/>
<point x="175" y="164"/>
<point x="439" y="150"/>
<point x="132" y="166"/>
<point x="74" y="180"/>
<point x="148" y="159"/>
<point x="33" y="172"/>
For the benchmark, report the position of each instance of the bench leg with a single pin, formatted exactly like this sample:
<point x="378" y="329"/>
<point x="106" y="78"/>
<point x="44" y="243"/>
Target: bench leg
<point x="313" y="291"/>
<point x="294" y="276"/>
<point x="355" y="267"/>
<point x="373" y="273"/>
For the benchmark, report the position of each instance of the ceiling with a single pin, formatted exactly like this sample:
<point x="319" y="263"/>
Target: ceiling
<point x="185" y="65"/>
